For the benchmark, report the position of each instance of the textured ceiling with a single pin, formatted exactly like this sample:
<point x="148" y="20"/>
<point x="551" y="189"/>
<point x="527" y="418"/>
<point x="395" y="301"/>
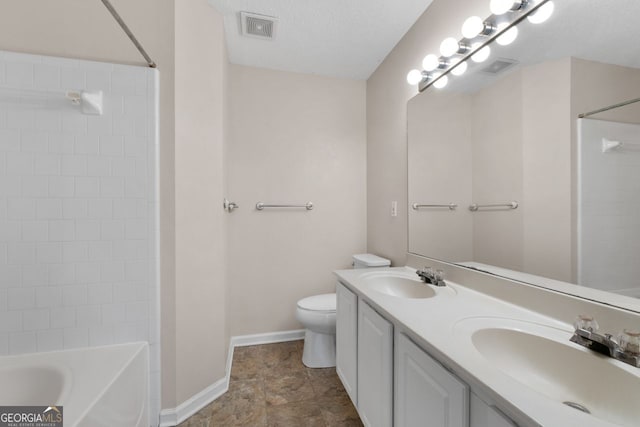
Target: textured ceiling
<point x="597" y="30"/>
<point x="338" y="38"/>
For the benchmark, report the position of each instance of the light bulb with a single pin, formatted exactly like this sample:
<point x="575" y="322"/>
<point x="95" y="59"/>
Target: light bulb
<point x="472" y="27"/>
<point x="542" y="14"/>
<point x="460" y="69"/>
<point x="430" y="62"/>
<point x="482" y="54"/>
<point x="498" y="7"/>
<point x="442" y="82"/>
<point x="449" y="47"/>
<point x="414" y="77"/>
<point x="507" y="37"/>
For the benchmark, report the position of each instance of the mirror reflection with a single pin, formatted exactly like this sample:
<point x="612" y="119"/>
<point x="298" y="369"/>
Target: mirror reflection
<point x="558" y="196"/>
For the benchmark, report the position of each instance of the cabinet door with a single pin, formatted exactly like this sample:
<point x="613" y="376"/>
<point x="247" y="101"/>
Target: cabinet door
<point x="483" y="415"/>
<point x="375" y="367"/>
<point x="425" y="392"/>
<point x="347" y="340"/>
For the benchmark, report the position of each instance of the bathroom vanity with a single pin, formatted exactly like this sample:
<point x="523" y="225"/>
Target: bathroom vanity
<point x="480" y="351"/>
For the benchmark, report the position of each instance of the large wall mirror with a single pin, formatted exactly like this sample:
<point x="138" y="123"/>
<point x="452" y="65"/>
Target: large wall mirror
<point x="558" y="196"/>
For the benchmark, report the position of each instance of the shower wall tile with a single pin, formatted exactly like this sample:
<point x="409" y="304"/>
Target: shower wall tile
<point x="35" y="320"/>
<point x="50" y="340"/>
<point x="47" y="164"/>
<point x="46" y="76"/>
<point x="78" y="208"/>
<point x="61" y="143"/>
<point x="34" y="140"/>
<point x="72" y="78"/>
<point x="22" y="342"/>
<point x="19" y="75"/>
<point x="63" y="318"/>
<point x="48" y="297"/>
<point x="21" y="298"/>
<point x="75" y="337"/>
<point x="21" y="119"/>
<point x="34" y="186"/>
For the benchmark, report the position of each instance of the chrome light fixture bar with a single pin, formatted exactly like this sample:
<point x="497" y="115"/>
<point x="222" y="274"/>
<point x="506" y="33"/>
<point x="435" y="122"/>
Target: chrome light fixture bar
<point x="492" y="29"/>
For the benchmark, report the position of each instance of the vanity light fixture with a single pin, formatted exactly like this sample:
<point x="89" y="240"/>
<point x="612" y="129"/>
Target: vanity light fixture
<point x="414" y="77"/>
<point x="459" y="69"/>
<point x="508" y="36"/>
<point x="430" y="62"/>
<point x="450" y="46"/>
<point x="542" y="14"/>
<point x="481" y="52"/>
<point x="441" y="82"/>
<point x="500" y="7"/>
<point x="475" y="26"/>
<point x="478" y="34"/>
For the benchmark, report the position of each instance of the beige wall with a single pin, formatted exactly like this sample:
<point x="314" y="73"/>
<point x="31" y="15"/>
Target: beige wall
<point x="85" y="29"/>
<point x="387" y="96"/>
<point x="200" y="68"/>
<point x="496" y="126"/>
<point x="293" y="138"/>
<point x="440" y="172"/>
<point x="546" y="170"/>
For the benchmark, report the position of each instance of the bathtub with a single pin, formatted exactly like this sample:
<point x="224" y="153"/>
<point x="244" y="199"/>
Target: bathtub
<point x="97" y="386"/>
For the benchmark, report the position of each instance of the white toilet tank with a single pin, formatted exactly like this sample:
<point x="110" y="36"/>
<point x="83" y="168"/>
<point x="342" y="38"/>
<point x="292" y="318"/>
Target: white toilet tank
<point x="369" y="260"/>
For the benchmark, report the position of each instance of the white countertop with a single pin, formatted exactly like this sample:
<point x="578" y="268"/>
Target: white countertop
<point x="438" y="325"/>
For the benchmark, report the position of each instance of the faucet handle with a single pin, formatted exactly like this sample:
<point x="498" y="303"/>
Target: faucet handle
<point x="629" y="341"/>
<point x="586" y="322"/>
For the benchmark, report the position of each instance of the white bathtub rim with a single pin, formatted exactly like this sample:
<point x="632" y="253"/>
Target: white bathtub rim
<point x="141" y="346"/>
<point x="79" y="402"/>
<point x="67" y="373"/>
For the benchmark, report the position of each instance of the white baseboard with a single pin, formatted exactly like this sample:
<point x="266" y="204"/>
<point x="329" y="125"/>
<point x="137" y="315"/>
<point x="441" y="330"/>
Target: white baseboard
<point x="268" y="338"/>
<point x="174" y="416"/>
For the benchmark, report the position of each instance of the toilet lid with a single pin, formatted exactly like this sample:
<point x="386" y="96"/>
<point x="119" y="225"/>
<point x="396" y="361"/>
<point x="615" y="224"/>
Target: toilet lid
<point x="324" y="302"/>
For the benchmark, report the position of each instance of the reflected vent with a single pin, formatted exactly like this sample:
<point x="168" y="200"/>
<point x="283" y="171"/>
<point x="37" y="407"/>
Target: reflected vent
<point x="258" y="26"/>
<point x="498" y="66"/>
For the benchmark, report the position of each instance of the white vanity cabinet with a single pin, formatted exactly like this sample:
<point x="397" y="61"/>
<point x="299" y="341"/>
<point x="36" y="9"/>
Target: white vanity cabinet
<point x="375" y="367"/>
<point x="347" y="340"/>
<point x="425" y="392"/>
<point x="395" y="383"/>
<point x="484" y="415"/>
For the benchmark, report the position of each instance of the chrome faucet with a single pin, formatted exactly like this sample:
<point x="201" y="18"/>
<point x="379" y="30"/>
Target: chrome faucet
<point x="626" y="347"/>
<point x="428" y="275"/>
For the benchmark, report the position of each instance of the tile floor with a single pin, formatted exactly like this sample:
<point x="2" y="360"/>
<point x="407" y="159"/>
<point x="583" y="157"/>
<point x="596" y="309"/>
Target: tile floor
<point x="271" y="387"/>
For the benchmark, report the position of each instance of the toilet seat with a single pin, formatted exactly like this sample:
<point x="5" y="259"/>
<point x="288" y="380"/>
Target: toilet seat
<point x="319" y="303"/>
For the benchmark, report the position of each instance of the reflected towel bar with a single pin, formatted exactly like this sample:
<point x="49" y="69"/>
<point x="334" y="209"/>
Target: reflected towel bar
<point x="451" y="206"/>
<point x="261" y="205"/>
<point x="512" y="205"/>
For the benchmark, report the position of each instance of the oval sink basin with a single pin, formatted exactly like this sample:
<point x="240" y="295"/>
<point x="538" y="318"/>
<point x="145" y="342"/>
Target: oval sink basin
<point x="563" y="371"/>
<point x="398" y="285"/>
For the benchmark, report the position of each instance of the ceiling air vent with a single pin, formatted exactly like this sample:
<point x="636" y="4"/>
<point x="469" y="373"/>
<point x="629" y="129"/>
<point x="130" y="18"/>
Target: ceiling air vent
<point x="499" y="65"/>
<point x="258" y="26"/>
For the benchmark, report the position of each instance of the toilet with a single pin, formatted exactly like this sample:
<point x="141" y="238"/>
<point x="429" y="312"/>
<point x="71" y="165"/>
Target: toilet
<point x="318" y="316"/>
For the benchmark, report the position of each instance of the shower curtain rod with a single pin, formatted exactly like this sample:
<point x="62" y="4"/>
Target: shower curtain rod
<point x="128" y="32"/>
<point x="610" y="107"/>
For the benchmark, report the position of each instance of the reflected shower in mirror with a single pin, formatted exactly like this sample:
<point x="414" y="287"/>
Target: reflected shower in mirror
<point x="508" y="131"/>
